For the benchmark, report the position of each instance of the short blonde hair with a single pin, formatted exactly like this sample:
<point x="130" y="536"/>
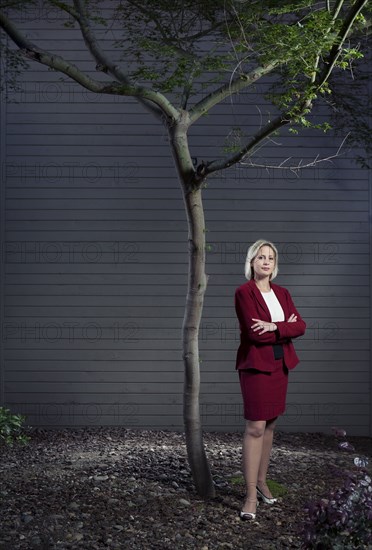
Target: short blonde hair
<point x="252" y="253"/>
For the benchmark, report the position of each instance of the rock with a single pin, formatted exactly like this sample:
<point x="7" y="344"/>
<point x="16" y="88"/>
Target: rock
<point x="184" y="502"/>
<point x="26" y="517"/>
<point x="101" y="478"/>
<point x="74" y="506"/>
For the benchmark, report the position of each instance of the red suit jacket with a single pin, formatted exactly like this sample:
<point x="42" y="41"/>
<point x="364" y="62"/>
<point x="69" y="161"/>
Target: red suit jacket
<point x="255" y="351"/>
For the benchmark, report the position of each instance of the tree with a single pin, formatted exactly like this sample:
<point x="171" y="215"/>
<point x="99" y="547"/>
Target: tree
<point x="181" y="58"/>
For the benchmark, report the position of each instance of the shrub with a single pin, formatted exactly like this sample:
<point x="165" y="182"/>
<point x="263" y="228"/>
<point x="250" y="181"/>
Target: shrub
<point x="343" y="519"/>
<point x="11" y="426"/>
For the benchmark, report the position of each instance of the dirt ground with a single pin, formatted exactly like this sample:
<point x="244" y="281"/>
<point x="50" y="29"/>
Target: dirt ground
<point x="118" y="489"/>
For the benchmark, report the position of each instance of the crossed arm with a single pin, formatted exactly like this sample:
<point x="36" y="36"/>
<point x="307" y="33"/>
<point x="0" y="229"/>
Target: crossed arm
<point x="267" y="332"/>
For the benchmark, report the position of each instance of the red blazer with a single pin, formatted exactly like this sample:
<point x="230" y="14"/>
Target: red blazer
<point x="255" y="351"/>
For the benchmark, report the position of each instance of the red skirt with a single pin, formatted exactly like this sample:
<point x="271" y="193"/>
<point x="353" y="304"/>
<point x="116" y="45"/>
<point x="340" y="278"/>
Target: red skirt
<point x="264" y="393"/>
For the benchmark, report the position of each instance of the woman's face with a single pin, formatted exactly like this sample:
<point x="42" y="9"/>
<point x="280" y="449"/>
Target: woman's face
<point x="264" y="262"/>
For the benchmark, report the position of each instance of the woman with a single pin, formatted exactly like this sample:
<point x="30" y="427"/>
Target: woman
<point x="268" y="321"/>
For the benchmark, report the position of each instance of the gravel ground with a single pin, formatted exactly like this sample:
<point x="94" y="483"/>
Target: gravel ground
<point x="118" y="489"/>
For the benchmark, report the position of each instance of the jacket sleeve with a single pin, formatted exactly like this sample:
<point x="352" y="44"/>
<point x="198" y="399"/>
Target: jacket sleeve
<point x="246" y="311"/>
<point x="291" y="330"/>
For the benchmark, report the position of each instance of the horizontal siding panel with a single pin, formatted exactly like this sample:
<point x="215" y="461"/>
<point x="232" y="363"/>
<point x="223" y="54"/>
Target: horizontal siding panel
<point x="157" y="139"/>
<point x="213" y="362"/>
<point x="88" y="387"/>
<point x="94" y="253"/>
<point x="42" y="277"/>
<point x="159" y="158"/>
<point x="122" y="329"/>
<point x="318" y="403"/>
<point x="133" y="204"/>
<point x="125" y="351"/>
<point x="123" y="411"/>
<point x="52" y="109"/>
<point x="47" y="351"/>
<point x="53" y="99"/>
<point x="180" y="237"/>
<point x="123" y="408"/>
<point x="166" y="311"/>
<point x="86" y="377"/>
<point x="133" y="266"/>
<point x="154" y="162"/>
<point x="21" y="229"/>
<point x="129" y="173"/>
<point x="68" y="132"/>
<point x="353" y="425"/>
<point x="162" y="300"/>
<point x="213" y="291"/>
<point x="168" y="387"/>
<point x="64" y="142"/>
<point x="34" y="220"/>
<point x="165" y="377"/>
<point x="70" y="333"/>
<point x="217" y="197"/>
<point x="59" y="97"/>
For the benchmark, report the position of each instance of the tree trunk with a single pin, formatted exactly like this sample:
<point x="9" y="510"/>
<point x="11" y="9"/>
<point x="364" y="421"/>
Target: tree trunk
<point x="197" y="283"/>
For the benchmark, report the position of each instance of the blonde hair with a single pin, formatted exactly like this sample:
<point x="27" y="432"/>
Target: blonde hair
<point x="252" y="253"/>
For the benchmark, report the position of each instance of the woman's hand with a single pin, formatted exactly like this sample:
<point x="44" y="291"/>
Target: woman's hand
<point x="292" y="318"/>
<point x="263" y="326"/>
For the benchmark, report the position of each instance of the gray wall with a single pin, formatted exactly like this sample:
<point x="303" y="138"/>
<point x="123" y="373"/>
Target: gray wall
<point x="94" y="262"/>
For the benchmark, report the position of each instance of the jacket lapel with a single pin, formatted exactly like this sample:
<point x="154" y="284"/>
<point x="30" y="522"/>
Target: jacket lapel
<point x="258" y="296"/>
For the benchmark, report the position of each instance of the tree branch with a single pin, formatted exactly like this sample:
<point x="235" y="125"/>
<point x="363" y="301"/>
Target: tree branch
<point x="159" y="105"/>
<point x="336" y="12"/>
<point x="228" y="89"/>
<point x="336" y="49"/>
<point x="175" y="42"/>
<point x="205" y="169"/>
<point x="296" y="168"/>
<point x="29" y="50"/>
<point x="65" y="7"/>
<point x="151" y="14"/>
<point x="287" y="118"/>
<point x="92" y="44"/>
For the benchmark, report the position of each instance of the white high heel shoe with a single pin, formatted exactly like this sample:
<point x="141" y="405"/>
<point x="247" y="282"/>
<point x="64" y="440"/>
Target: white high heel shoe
<point x="267" y="500"/>
<point x="250" y="516"/>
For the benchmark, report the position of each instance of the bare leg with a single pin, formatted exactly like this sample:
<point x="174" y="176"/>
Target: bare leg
<point x="252" y="454"/>
<point x="265" y="457"/>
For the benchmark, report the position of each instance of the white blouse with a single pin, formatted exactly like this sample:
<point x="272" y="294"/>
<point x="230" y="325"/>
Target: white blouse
<point x="272" y="302"/>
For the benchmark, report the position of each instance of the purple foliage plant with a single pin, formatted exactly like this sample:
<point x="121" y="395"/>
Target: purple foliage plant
<point x="342" y="519"/>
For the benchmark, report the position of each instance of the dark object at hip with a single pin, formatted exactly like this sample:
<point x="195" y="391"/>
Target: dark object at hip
<point x="278" y="351"/>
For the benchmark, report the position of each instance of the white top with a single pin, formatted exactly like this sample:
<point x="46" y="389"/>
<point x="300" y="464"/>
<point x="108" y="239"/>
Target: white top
<point x="272" y="302"/>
